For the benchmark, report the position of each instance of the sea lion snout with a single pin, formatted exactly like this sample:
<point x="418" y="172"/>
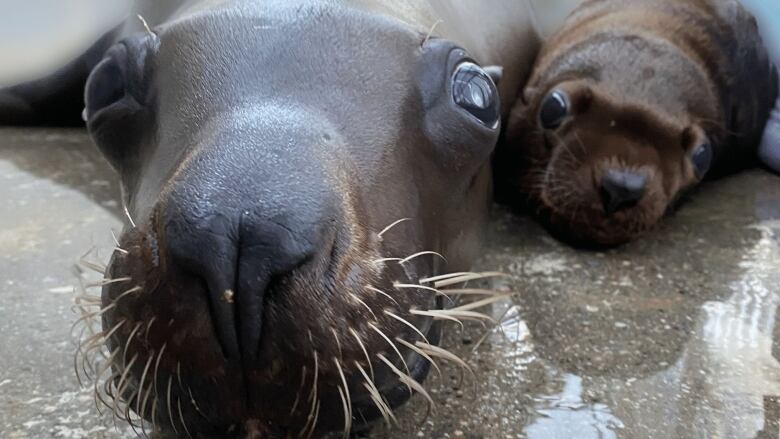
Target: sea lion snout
<point x="241" y="253"/>
<point x="622" y="189"/>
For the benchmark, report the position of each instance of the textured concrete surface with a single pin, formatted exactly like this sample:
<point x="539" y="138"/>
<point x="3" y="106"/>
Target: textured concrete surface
<point x="670" y="337"/>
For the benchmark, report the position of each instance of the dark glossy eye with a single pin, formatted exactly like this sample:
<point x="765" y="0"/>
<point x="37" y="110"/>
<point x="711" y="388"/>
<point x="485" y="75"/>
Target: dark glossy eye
<point x="475" y="92"/>
<point x="701" y="157"/>
<point x="555" y="109"/>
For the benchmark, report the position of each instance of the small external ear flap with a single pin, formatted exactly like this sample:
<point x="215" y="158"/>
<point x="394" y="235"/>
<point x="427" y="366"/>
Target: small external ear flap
<point x="106" y="85"/>
<point x="529" y="94"/>
<point x="495" y="73"/>
<point x="121" y="76"/>
<point x="118" y="98"/>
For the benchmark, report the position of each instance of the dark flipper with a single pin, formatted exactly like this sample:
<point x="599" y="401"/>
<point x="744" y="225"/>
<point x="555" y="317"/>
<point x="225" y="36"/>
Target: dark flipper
<point x="56" y="100"/>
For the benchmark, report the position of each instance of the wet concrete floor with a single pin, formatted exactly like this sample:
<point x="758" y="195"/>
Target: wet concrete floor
<point x="673" y="336"/>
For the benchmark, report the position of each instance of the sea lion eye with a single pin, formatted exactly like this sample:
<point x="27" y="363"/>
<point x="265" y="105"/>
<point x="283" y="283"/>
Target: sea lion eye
<point x="475" y="92"/>
<point x="555" y="109"/>
<point x="701" y="157"/>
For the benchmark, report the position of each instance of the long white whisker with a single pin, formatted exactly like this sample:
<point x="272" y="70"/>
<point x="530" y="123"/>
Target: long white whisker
<point x="378" y="291"/>
<point x="467" y="278"/>
<point x="481" y="303"/>
<point x="381" y="234"/>
<point x="409" y="381"/>
<point x="421" y="353"/>
<point x="365" y="351"/>
<point x="436" y="316"/>
<point x="433" y="279"/>
<point x="407" y="323"/>
<point x="417" y="255"/>
<point x="392" y="345"/>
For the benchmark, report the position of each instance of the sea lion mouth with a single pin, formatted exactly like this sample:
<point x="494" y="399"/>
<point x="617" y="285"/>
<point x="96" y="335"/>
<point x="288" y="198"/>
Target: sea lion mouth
<point x="578" y="215"/>
<point x="333" y="356"/>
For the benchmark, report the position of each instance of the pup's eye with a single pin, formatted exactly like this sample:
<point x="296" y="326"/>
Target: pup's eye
<point x="701" y="157"/>
<point x="475" y="92"/>
<point x="555" y="109"/>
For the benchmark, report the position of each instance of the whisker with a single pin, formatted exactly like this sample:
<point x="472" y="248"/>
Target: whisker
<point x="127" y="214"/>
<point x="410" y="382"/>
<point x="300" y="387"/>
<point x="376" y="397"/>
<point x="141" y="383"/>
<point x="473" y="292"/>
<point x="96" y="391"/>
<point x="105" y="282"/>
<point x="143" y="410"/>
<point x="317" y="407"/>
<point x="365" y="351"/>
<point x="433" y="279"/>
<point x="417" y="255"/>
<point x="467" y="278"/>
<point x="407" y="323"/>
<point x="170" y="408"/>
<point x="436" y="316"/>
<point x="481" y="303"/>
<point x="401" y="286"/>
<point x="421" y="353"/>
<point x="312" y="399"/>
<point x="390" y="342"/>
<point x="347" y="418"/>
<point x="378" y="291"/>
<point x="123" y="381"/>
<point x="195" y="404"/>
<point x="365" y="305"/>
<point x="92" y="315"/>
<point x="459" y="314"/>
<point x="181" y="417"/>
<point x="129" y="340"/>
<point x="381" y="234"/>
<point x="438" y="352"/>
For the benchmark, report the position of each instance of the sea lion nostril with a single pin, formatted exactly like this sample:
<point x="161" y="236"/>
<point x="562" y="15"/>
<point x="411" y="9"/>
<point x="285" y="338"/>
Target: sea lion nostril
<point x="621" y="190"/>
<point x="238" y="255"/>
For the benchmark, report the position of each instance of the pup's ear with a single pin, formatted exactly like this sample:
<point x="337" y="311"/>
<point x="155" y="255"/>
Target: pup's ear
<point x="495" y="73"/>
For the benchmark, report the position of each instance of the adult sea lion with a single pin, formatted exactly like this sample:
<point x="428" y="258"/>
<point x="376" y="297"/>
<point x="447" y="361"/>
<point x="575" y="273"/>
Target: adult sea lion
<point x="631" y="104"/>
<point x="295" y="173"/>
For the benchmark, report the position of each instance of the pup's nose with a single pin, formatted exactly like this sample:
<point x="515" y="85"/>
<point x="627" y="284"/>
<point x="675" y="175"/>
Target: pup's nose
<point x="621" y="190"/>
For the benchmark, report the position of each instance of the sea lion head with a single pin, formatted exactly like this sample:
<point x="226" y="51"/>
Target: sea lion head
<point x="292" y="175"/>
<point x="602" y="169"/>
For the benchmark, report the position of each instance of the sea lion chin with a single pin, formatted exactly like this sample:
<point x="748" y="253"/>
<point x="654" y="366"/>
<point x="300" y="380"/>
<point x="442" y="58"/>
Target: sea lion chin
<point x="631" y="105"/>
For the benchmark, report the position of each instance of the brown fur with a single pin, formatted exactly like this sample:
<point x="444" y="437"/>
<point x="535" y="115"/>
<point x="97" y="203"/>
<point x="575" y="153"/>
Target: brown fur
<point x="648" y="81"/>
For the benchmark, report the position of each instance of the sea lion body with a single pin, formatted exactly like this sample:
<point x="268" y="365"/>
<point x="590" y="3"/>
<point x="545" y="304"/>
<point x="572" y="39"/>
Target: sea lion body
<point x="629" y="106"/>
<point x="294" y="172"/>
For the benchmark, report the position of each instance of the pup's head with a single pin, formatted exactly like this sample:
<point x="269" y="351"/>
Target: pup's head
<point x="602" y="170"/>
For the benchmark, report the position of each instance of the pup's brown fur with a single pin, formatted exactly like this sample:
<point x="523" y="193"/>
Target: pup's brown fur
<point x="647" y="82"/>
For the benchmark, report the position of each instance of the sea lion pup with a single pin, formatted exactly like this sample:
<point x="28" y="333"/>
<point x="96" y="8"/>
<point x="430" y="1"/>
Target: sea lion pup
<point x="631" y="104"/>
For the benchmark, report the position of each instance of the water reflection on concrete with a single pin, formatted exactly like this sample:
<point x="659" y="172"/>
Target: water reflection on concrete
<point x="670" y="337"/>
